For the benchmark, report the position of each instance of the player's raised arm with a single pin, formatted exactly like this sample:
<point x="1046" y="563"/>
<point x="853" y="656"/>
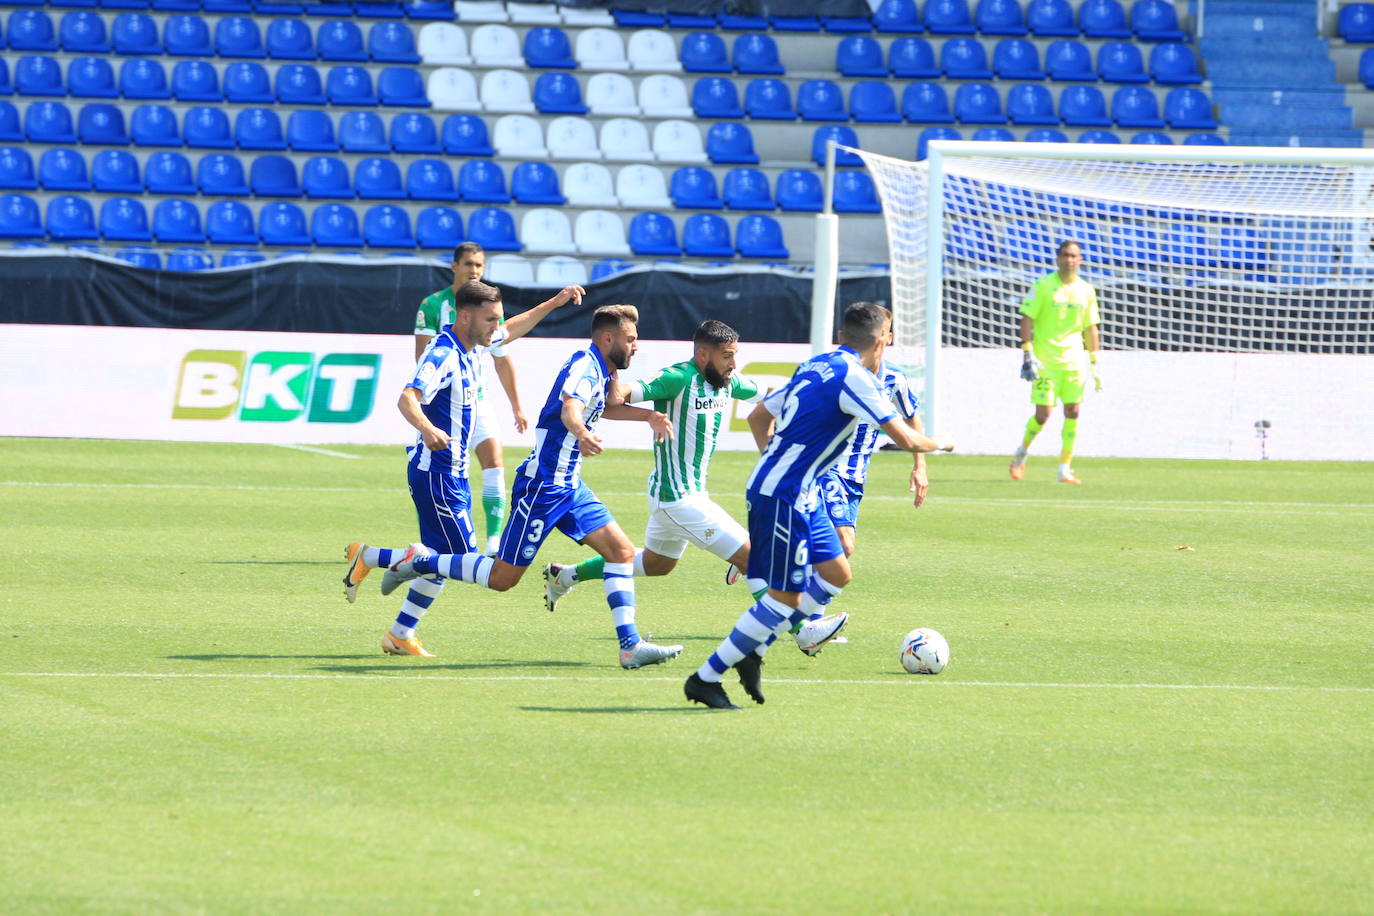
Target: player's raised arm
<point x="523" y="323"/>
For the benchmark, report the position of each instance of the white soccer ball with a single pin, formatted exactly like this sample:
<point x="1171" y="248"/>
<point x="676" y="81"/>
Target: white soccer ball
<point x="924" y="651"/>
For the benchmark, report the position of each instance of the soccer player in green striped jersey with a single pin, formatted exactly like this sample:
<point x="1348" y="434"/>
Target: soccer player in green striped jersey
<point x="697" y="395"/>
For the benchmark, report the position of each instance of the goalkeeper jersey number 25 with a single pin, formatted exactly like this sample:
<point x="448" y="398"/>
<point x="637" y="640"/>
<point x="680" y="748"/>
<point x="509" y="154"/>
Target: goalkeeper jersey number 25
<point x="1059" y="313"/>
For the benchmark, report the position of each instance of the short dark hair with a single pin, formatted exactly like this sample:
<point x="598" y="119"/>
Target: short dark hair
<point x="474" y="294"/>
<point x="1065" y="244"/>
<point x="713" y="333"/>
<point x="863" y="323"/>
<point x="610" y="317"/>
<point x="467" y="248"/>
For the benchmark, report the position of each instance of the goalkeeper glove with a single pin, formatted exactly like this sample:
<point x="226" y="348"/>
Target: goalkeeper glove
<point x="1030" y="367"/>
<point x="1092" y="366"/>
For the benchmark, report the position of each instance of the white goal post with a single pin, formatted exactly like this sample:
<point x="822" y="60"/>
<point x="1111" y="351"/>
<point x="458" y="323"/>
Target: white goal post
<point x="1193" y="249"/>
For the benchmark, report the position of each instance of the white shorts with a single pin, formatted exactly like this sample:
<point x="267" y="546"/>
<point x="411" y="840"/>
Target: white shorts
<point x="695" y="520"/>
<point x="483" y="423"/>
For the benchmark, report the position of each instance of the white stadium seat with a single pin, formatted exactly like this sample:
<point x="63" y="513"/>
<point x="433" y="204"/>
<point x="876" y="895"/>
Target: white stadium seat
<point x="444" y="43"/>
<point x="612" y="95"/>
<point x="545" y="230"/>
<point x="642" y="187"/>
<point x="600" y="49"/>
<point x="624" y="140"/>
<point x="664" y="96"/>
<point x="508" y="268"/>
<point x="587" y="184"/>
<point x="600" y="232"/>
<point x="678" y="141"/>
<point x="496" y="46"/>
<point x="561" y="271"/>
<point x="480" y="11"/>
<point x="533" y="13"/>
<point x="506" y="90"/>
<point x="653" y="49"/>
<point x="518" y="137"/>
<point x="452" y="89"/>
<point x="586" y="16"/>
<point x="571" y="137"/>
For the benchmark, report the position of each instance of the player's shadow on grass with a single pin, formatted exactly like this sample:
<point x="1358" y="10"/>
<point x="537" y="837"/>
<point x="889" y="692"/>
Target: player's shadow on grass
<point x="609" y="709"/>
<point x="228" y="657"/>
<point x="423" y="666"/>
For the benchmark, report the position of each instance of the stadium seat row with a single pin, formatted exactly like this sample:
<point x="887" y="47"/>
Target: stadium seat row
<point x="1052" y="135"/>
<point x="411" y="9"/>
<point x="1033" y="104"/>
<point x="1017" y="59"/>
<point x="230" y="222"/>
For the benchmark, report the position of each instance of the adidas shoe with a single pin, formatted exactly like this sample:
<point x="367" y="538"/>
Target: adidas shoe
<point x="403" y="570"/>
<point x="814" y="634"/>
<point x="553" y="589"/>
<point x="646" y="653"/>
<point x="393" y="645"/>
<point x="357" y="570"/>
<point x="706" y="693"/>
<point x="751" y="676"/>
<point x="732" y="573"/>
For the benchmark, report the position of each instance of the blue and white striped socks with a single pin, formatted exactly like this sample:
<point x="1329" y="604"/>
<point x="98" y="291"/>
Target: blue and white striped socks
<point x="619" y="582"/>
<point x="818" y="594"/>
<point x="381" y="557"/>
<point x="754" y="631"/>
<point x="469" y="567"/>
<point x="421" y="595"/>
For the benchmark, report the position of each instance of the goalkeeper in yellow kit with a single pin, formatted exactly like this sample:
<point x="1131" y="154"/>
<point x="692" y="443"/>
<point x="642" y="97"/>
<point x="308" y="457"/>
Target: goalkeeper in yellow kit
<point x="1058" y="322"/>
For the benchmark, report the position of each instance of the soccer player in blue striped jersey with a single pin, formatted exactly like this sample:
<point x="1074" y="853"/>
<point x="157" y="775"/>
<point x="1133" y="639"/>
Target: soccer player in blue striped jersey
<point x="549" y="494"/>
<point x="793" y="545"/>
<point x="440" y="402"/>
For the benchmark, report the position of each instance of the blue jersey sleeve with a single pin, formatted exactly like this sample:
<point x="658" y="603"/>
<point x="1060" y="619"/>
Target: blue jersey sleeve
<point x="434" y="371"/>
<point x="860" y="397"/>
<point x="584" y="381"/>
<point x="903" y="398"/>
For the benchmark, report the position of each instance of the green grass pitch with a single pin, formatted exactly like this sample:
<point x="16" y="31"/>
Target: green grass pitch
<point x="192" y="719"/>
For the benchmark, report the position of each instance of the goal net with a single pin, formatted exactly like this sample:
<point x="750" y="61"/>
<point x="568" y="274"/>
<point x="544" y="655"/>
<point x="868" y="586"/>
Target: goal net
<point x="1191" y="249"/>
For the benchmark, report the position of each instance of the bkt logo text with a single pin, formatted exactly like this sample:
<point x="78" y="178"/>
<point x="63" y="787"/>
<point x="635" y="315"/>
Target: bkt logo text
<point x="276" y="386"/>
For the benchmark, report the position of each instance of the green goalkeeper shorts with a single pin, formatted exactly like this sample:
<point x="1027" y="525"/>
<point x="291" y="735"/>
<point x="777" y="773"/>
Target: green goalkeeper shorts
<point x="1055" y="385"/>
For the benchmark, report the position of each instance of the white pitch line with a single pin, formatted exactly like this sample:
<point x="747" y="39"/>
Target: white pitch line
<point x="315" y="450"/>
<point x="894" y="681"/>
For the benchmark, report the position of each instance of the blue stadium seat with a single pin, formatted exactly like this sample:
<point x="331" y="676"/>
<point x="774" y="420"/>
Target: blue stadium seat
<point x="392" y="43"/>
<point x="48" y="122"/>
<point x="16" y="169"/>
<point x="238" y="36"/>
<point x="1083" y="106"/>
<point x="548" y="47"/>
<point x="282" y="223"/>
<point x="1355" y="23"/>
<point x="1017" y="59"/>
<point x="1000" y="17"/>
<point x="912" y="58"/>
<point x="290" y="39"/>
<point x="187" y="35"/>
<point x="1174" y="63"/>
<point x="63" y="170"/>
<point x="259" y="128"/>
<point x="701" y="52"/>
<point x="1187" y="244"/>
<point x="1153" y="137"/>
<point x="1156" y="20"/>
<point x="482" y="181"/>
<point x="948" y="17"/>
<point x="716" y="97"/>
<point x="226" y="6"/>
<point x="466" y="135"/>
<point x="1187" y="109"/>
<point x="855" y="192"/>
<point x="926" y="103"/>
<point x="375" y="178"/>
<point x="299" y="84"/>
<point x="412" y="132"/>
<point x="5" y="87"/>
<point x="19" y="217"/>
<point x="221" y="175"/>
<point x="1240" y="247"/>
<point x="821" y="100"/>
<point x="385" y="10"/>
<point x="439" y="227"/>
<point x="83" y="32"/>
<point x="432" y="179"/>
<point x="694" y="188"/>
<point x="155" y="125"/>
<point x="274" y="176"/>
<point x="1028" y="241"/>
<point x="840" y="133"/>
<point x="1121" y="62"/>
<point x="1366" y="71"/>
<point x="965" y="59"/>
<point x="349" y="85"/>
<point x="746" y="189"/>
<point x="31" y="30"/>
<point x="403" y="86"/>
<point x="847" y="23"/>
<point x="897" y="16"/>
<point x="706" y="235"/>
<point x="860" y="55"/>
<point x="311" y="131"/>
<point x="756" y="54"/>
<point x="1031" y="103"/>
<point x="793" y="23"/>
<point x="140" y="256"/>
<point x="38" y="74"/>
<point x="536" y="184"/>
<point x="1051" y="18"/>
<point x="196" y="81"/>
<point x="70" y="219"/>
<point x="247" y="83"/>
<point x="124" y="219"/>
<point x="429" y="9"/>
<point x="653" y="234"/>
<point x="363" y="132"/>
<point x="1103" y="19"/>
<point x="759" y="236"/>
<point x="556" y="93"/>
<point x="189" y="259"/>
<point x="934" y="133"/>
<point x="993" y="135"/>
<point x="1134" y="246"/>
<point x="1098" y="136"/>
<point x="168" y="173"/>
<point x="326" y="177"/>
<point x="970" y="239"/>
<point x="335" y="226"/>
<point x="769" y="99"/>
<point x="133" y="33"/>
<point x="729" y="143"/>
<point x="493" y="229"/>
<point x="1046" y="135"/>
<point x="101" y="123"/>
<point x="1070" y="61"/>
<point x="1136" y="106"/>
<point x="873" y="101"/>
<point x="387" y="226"/>
<point x="641" y="19"/>
<point x="142" y="78"/>
<point x="800" y="190"/>
<point x="339" y="39"/>
<point x="238" y="257"/>
<point x="605" y="268"/>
